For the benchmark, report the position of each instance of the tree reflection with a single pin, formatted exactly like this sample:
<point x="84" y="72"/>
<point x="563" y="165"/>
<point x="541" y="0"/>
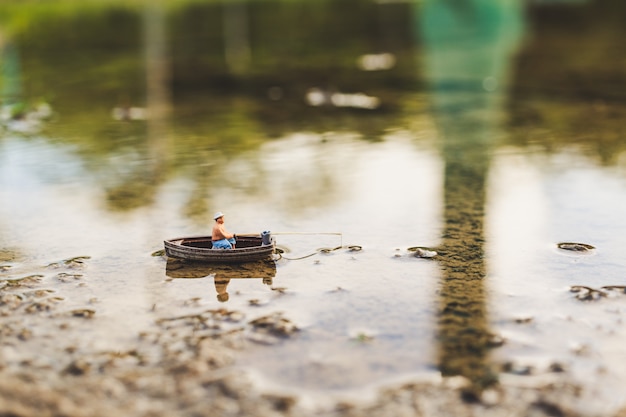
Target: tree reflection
<point x="223" y="77"/>
<point x="467" y="52"/>
<point x="10" y="76"/>
<point x="138" y="186"/>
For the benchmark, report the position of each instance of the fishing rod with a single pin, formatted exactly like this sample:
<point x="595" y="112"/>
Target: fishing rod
<point x="295" y="233"/>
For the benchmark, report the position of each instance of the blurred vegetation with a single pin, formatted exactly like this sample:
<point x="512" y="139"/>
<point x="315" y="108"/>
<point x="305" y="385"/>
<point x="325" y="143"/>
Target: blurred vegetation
<point x="233" y="75"/>
<point x="89" y="69"/>
<point x="86" y="58"/>
<point x="570" y="77"/>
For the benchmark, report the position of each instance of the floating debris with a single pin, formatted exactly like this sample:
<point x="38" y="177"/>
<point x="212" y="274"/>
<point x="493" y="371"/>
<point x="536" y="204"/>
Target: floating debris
<point x="194" y="301"/>
<point x="495" y="341"/>
<point x="557" y="367"/>
<point x="580" y="349"/>
<point x="351" y="248"/>
<point x="275" y="325"/>
<point x="576" y="247"/>
<point x="65" y="277"/>
<point x="422" y="252"/>
<point x="12" y="301"/>
<point x="78" y="367"/>
<point x="517" y="368"/>
<point x="620" y="288"/>
<point x="39" y="306"/>
<point x="585" y="293"/>
<point x="206" y="317"/>
<point x="158" y="253"/>
<point x="27" y="281"/>
<point x="70" y="262"/>
<point x="328" y="250"/>
<point x="38" y="293"/>
<point x="83" y="312"/>
<point x="523" y="319"/>
<point x="25" y="334"/>
<point x="363" y="337"/>
<point x="233" y="316"/>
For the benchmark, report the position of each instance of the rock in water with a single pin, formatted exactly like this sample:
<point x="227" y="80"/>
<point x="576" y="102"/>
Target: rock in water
<point x="424" y="253"/>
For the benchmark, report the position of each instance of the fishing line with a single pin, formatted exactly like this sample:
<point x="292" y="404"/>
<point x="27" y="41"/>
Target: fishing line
<point x="351" y="248"/>
<point x="279" y="252"/>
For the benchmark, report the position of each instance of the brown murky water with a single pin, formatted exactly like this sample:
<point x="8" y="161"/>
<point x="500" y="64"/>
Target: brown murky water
<point x="485" y="156"/>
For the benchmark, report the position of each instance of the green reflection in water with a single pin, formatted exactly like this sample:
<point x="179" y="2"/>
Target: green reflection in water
<point x="205" y="103"/>
<point x="468" y="51"/>
<point x="568" y="88"/>
<point x="11" y="73"/>
<point x="213" y="107"/>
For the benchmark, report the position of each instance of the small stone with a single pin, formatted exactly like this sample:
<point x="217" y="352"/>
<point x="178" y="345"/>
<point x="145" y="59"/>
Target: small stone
<point x="575" y="247"/>
<point x="425" y="253"/>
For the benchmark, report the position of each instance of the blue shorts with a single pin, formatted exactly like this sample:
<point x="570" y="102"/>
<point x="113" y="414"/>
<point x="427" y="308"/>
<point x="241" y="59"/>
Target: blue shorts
<point x="224" y="243"/>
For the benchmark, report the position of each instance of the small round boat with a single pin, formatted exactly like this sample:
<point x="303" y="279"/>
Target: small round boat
<point x="249" y="248"/>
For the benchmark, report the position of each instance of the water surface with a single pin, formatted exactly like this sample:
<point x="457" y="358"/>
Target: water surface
<point x="477" y="152"/>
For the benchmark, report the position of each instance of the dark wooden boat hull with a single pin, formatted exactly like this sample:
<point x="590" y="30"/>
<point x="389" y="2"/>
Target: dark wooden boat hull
<point x="199" y="249"/>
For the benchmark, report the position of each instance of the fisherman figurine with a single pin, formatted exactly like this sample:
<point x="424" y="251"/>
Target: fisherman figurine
<point x="221" y="238"/>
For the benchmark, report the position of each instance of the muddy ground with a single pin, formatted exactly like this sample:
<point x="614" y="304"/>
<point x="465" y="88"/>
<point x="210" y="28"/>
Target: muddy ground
<point x="184" y="366"/>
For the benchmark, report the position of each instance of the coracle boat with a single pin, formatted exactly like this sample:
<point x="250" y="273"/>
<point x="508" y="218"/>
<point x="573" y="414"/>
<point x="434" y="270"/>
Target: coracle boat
<point x="249" y="248"/>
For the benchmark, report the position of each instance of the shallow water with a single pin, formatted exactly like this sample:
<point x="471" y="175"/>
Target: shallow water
<point x="491" y="180"/>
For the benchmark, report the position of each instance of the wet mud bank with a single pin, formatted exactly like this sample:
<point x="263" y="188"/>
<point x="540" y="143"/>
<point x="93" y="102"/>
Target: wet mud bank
<point x="185" y="364"/>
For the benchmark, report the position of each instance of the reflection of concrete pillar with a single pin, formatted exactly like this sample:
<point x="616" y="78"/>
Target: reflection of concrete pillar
<point x="463" y="335"/>
<point x="158" y="97"/>
<point x="11" y="78"/>
<point x="236" y="42"/>
<point x="157" y="63"/>
<point x="468" y="46"/>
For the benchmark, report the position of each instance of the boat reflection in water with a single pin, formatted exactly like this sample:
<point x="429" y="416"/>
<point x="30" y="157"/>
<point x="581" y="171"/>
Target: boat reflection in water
<point x="222" y="273"/>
